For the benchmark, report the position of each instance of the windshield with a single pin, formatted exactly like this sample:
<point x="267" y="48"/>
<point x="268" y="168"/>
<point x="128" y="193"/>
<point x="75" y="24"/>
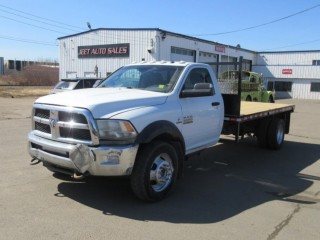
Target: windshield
<point x="66" y="85"/>
<point x="147" y="77"/>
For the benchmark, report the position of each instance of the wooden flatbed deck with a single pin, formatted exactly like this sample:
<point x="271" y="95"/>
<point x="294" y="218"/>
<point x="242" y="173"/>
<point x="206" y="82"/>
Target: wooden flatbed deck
<point x="253" y="110"/>
<point x="249" y="108"/>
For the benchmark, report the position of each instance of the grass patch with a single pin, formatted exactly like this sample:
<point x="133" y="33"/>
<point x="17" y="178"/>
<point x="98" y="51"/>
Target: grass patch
<point x="19" y="91"/>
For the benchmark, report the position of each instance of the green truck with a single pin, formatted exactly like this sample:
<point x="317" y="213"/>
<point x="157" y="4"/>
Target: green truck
<point x="252" y="88"/>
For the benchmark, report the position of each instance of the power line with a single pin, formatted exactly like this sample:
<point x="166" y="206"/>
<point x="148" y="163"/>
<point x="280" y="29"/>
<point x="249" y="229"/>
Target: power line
<point x="260" y="25"/>
<point x="27" y="40"/>
<point x="54" y="25"/>
<point x="32" y="25"/>
<point x="46" y="19"/>
<point x="115" y="39"/>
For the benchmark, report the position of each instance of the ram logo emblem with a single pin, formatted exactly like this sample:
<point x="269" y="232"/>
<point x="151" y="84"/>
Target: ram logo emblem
<point x="53" y="122"/>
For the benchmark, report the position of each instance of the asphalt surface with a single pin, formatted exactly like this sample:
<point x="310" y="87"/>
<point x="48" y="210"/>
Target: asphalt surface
<point x="231" y="191"/>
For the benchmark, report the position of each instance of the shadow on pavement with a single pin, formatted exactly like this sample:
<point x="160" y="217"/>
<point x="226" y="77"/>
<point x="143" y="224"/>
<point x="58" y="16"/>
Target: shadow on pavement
<point x="217" y="184"/>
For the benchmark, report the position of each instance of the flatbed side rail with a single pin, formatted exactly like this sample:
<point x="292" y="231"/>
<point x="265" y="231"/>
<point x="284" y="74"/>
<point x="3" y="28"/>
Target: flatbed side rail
<point x="258" y="115"/>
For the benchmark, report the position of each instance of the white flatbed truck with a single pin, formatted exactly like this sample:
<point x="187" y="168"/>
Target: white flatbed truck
<point x="143" y="121"/>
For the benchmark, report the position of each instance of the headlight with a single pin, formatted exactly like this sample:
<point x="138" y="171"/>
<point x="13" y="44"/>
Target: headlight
<point x="116" y="130"/>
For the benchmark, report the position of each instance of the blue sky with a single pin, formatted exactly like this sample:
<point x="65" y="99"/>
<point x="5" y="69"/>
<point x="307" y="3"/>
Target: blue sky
<point x="29" y="29"/>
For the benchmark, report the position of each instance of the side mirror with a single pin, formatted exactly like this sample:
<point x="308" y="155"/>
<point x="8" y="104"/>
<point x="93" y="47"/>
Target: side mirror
<point x="199" y="90"/>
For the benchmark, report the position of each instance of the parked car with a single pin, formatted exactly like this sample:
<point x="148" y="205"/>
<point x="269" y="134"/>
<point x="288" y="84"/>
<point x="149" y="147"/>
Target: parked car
<point x="75" y="83"/>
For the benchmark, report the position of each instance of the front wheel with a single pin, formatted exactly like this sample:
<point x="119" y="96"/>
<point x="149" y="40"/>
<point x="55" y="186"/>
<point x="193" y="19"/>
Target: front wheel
<point x="155" y="171"/>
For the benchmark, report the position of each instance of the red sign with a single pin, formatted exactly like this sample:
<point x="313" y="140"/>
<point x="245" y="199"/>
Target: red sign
<point x="220" y="48"/>
<point x="111" y="50"/>
<point x="287" y="71"/>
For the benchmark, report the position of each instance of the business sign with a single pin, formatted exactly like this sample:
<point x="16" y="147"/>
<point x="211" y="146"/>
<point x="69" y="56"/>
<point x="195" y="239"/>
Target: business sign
<point x="287" y="71"/>
<point x="219" y="48"/>
<point x="104" y="51"/>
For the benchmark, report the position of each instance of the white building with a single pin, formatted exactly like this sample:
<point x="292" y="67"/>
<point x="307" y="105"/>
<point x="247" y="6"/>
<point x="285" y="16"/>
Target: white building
<point x="102" y="51"/>
<point x="99" y="52"/>
<point x="294" y="74"/>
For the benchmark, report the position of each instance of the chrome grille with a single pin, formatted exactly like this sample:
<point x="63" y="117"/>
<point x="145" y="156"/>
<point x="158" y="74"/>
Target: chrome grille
<point x="71" y="125"/>
<point x="75" y="117"/>
<point x="42" y="127"/>
<point x="42" y="113"/>
<point x="81" y="134"/>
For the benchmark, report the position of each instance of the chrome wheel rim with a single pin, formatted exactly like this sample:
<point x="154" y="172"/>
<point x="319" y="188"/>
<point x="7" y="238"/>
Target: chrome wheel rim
<point x="161" y="172"/>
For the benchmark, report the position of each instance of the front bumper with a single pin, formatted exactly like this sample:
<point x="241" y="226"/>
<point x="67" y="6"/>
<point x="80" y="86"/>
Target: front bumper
<point x="97" y="161"/>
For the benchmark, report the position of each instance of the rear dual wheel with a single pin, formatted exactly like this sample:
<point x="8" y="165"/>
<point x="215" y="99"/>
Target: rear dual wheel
<point x="270" y="133"/>
<point x="276" y="134"/>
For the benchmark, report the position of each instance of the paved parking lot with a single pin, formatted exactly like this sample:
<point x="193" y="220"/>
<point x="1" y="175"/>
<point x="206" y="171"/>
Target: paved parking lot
<point x="232" y="191"/>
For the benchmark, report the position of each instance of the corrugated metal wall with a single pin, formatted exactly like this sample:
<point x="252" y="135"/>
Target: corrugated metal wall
<point x="294" y="67"/>
<point x="304" y="72"/>
<point x="150" y="45"/>
<point x="287" y="58"/>
<point x="139" y="42"/>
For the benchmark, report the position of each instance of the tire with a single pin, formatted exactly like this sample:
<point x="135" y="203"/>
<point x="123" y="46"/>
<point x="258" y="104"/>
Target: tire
<point x="271" y="100"/>
<point x="276" y="134"/>
<point x="155" y="171"/>
<point x="262" y="133"/>
<point x="248" y="98"/>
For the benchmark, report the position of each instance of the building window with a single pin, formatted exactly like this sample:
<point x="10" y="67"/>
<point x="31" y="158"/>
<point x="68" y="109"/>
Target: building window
<point x="315" y="87"/>
<point x="208" y="55"/>
<point x="182" y="51"/>
<point x="246" y="65"/>
<point x="316" y="62"/>
<point x="270" y="86"/>
<point x="283" y="86"/>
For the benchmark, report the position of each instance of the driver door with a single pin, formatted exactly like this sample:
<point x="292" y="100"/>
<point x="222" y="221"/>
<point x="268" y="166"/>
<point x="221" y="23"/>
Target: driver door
<point x="202" y="116"/>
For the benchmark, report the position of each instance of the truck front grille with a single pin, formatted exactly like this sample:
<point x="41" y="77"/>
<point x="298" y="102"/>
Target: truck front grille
<point x="67" y="117"/>
<point x="42" y="113"/>
<point x="64" y="124"/>
<point x="81" y="134"/>
<point x="42" y="127"/>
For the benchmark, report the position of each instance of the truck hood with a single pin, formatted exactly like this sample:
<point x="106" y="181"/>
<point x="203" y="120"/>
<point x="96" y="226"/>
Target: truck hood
<point x="105" y="102"/>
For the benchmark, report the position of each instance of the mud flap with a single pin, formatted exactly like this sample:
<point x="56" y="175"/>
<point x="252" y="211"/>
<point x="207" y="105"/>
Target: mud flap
<point x="82" y="157"/>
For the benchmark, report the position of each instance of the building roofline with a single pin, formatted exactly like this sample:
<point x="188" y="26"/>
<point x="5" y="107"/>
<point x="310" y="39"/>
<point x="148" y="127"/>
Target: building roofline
<point x="111" y="29"/>
<point x="160" y="30"/>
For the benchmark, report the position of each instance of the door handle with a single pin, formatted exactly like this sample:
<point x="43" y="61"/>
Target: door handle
<point x="215" y="104"/>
